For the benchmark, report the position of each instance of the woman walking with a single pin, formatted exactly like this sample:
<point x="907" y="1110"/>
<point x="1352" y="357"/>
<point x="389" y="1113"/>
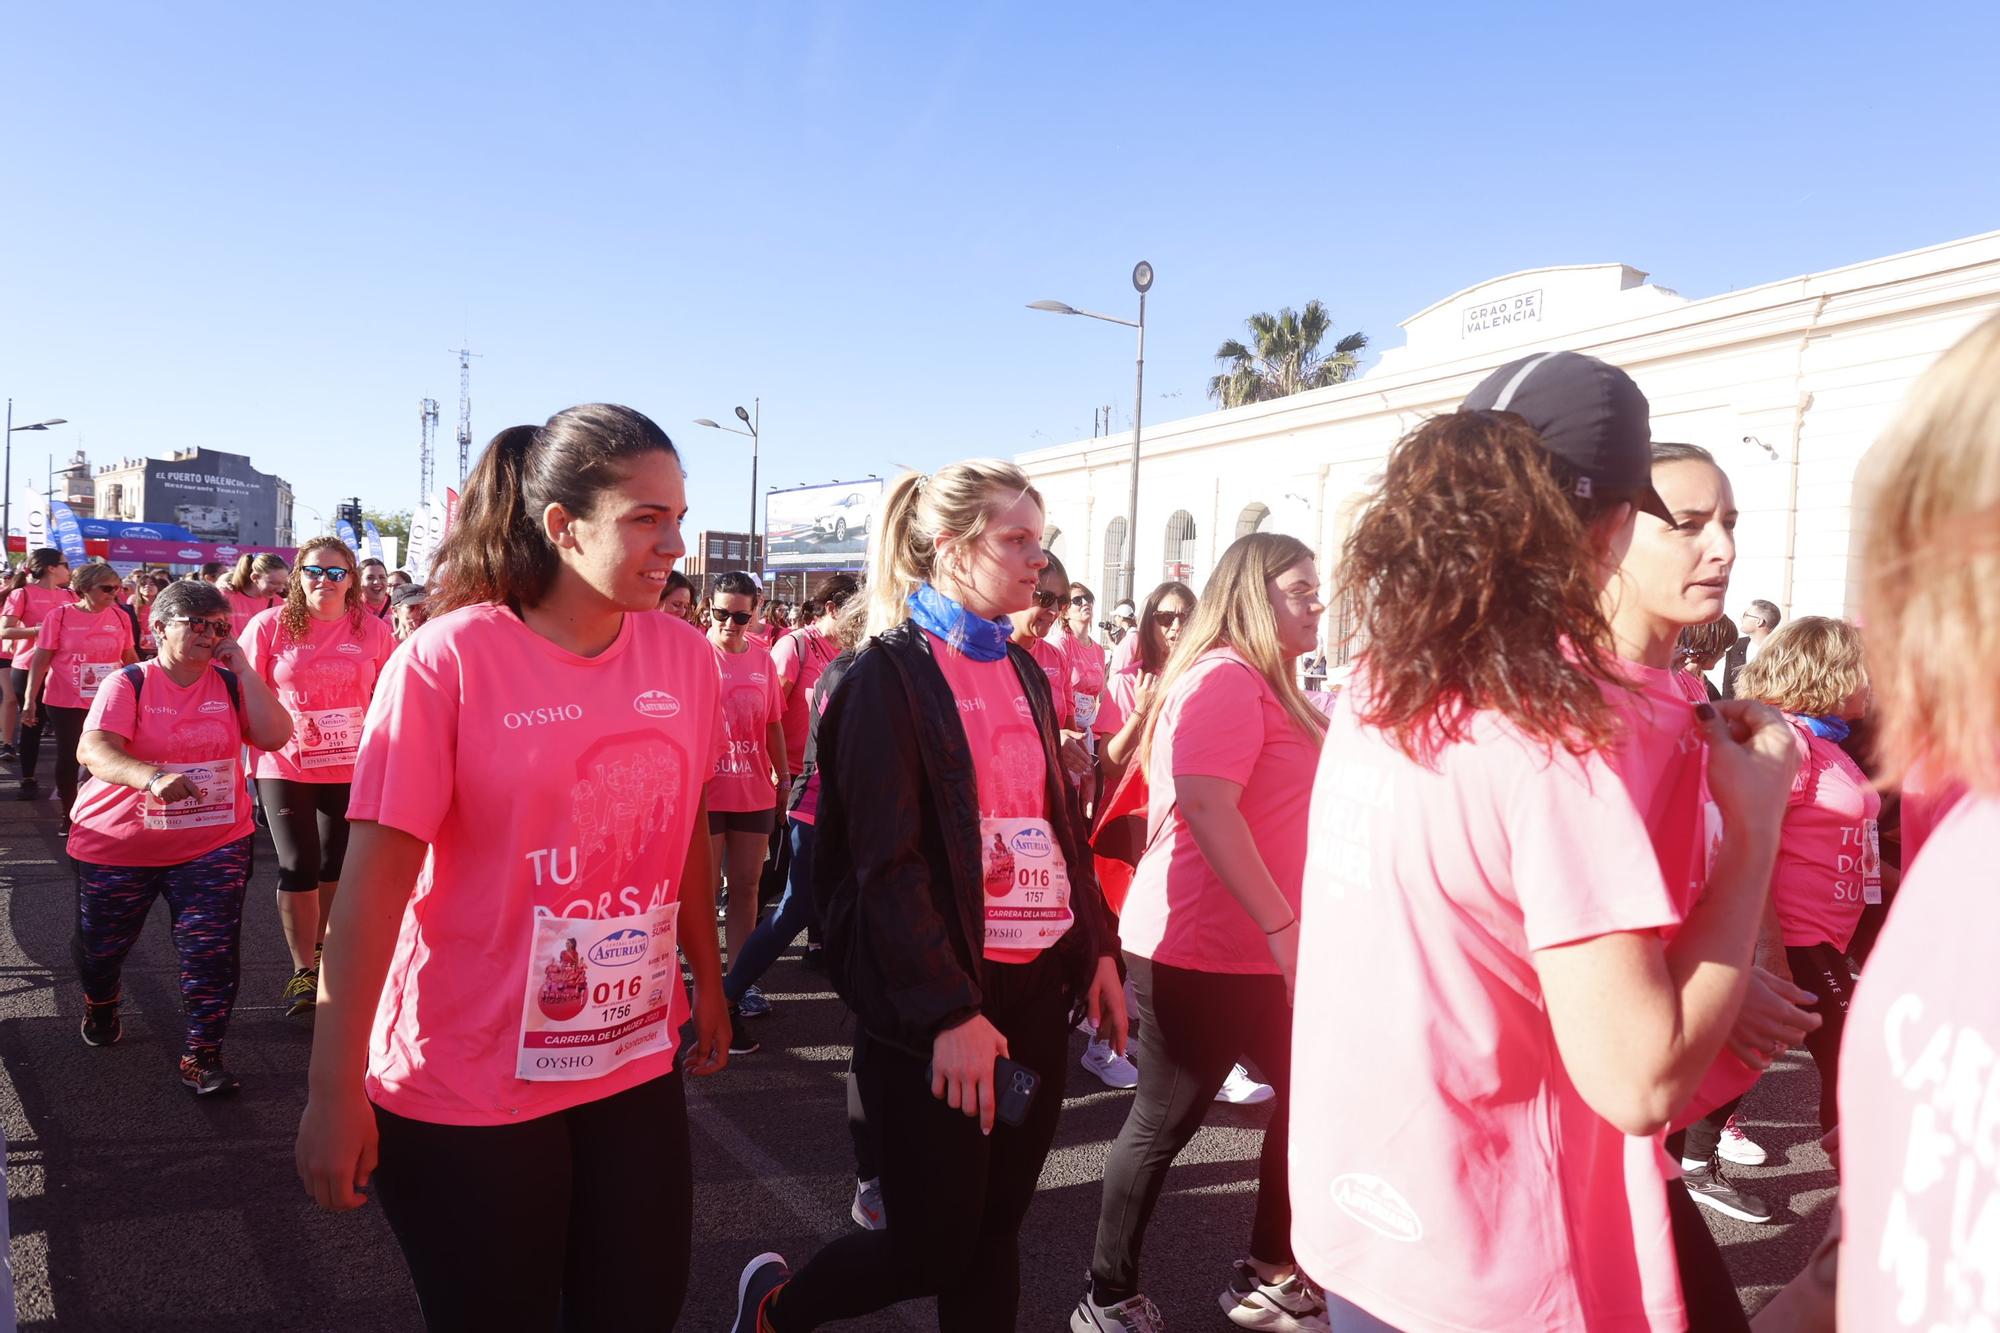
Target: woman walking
<point x="165" y="813"/>
<point x="80" y="643"/>
<point x="37" y="587"/>
<point x="255" y="584"/>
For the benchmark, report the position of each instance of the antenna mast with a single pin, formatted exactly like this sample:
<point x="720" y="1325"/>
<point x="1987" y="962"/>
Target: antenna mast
<point x="464" y="411"/>
<point x="427" y="417"/>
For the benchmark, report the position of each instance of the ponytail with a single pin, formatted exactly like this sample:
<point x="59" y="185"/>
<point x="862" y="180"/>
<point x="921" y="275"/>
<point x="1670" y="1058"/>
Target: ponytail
<point x="954" y="501"/>
<point x="238" y="578"/>
<point x="897" y="566"/>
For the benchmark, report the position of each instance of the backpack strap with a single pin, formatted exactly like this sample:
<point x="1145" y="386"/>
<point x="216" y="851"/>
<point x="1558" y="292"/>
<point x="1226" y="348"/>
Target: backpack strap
<point x="135" y="676"/>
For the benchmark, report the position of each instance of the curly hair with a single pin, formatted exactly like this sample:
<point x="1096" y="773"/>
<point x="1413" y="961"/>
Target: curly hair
<point x="294" y="620"/>
<point x="1471" y="580"/>
<point x="1811" y="667"/>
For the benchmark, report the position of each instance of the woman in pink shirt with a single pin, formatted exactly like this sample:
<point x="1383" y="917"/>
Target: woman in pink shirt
<point x="165" y="813"/>
<point x="1087" y="662"/>
<point x="1210" y="924"/>
<point x="494" y="1044"/>
<point x="37" y="587"/>
<point x="80" y="643"/>
<point x="1131" y="689"/>
<point x="1493" y="1029"/>
<point x="255" y="584"/>
<point x="1918" y="1095"/>
<point x="962" y="923"/>
<point x="678" y="597"/>
<point x="321" y="651"/>
<point x="1829" y="854"/>
<point x="749" y="774"/>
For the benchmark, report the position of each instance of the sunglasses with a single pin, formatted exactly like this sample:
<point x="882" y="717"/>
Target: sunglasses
<point x="1169" y="619"/>
<point x="1050" y="601"/>
<point x="197" y="624"/>
<point x="106" y="587"/>
<point x="331" y="573"/>
<point x="737" y="617"/>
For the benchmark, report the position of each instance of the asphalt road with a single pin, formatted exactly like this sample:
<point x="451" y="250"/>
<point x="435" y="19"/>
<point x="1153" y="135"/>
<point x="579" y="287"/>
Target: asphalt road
<point x="135" y="1207"/>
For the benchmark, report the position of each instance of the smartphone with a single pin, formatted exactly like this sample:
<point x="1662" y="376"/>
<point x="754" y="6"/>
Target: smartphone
<point x="1014" y="1088"/>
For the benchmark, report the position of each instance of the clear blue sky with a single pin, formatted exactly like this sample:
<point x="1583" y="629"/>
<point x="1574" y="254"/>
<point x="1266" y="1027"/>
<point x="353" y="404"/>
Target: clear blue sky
<point x="259" y="228"/>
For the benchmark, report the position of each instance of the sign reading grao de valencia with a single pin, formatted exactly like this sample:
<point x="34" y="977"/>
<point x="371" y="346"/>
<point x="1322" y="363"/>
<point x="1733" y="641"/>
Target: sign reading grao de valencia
<point x="1486" y="316"/>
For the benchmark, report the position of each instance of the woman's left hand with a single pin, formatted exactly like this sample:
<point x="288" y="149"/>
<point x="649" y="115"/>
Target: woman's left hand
<point x="1106" y="1004"/>
<point x="709" y="1053"/>
<point x="229" y="653"/>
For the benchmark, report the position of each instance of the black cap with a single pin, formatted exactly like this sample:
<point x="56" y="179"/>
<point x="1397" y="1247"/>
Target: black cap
<point x="1589" y="414"/>
<point x="407" y="594"/>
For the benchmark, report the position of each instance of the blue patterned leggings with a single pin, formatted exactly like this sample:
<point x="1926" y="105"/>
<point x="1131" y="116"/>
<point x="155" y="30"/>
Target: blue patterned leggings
<point x="205" y="897"/>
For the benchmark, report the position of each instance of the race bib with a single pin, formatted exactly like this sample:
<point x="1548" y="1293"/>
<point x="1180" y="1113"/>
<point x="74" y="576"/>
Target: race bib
<point x="1027" y="884"/>
<point x="1871" y="862"/>
<point x="214" y="801"/>
<point x="1086" y="709"/>
<point x="598" y="993"/>
<point x="90" y="675"/>
<point x="328" y="737"/>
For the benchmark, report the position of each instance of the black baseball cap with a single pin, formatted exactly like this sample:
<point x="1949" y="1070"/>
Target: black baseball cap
<point x="1589" y="414"/>
<point x="408" y="594"/>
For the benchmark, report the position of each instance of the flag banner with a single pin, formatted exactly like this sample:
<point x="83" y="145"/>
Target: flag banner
<point x="38" y="518"/>
<point x="374" y="539"/>
<point x="346" y="532"/>
<point x="68" y="533"/>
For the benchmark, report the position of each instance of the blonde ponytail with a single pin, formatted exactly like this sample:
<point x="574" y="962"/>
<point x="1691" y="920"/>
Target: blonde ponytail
<point x="955" y="501"/>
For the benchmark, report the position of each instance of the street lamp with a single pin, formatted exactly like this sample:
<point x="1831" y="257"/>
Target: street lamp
<point x="7" y="503"/>
<point x="750" y="421"/>
<point x="1142" y="282"/>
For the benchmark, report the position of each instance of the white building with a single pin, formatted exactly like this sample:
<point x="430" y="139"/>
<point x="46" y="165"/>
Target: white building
<point x="1787" y="384"/>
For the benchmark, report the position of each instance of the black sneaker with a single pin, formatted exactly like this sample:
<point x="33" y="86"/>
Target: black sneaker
<point x="815" y="959"/>
<point x="301" y="995"/>
<point x="100" y="1023"/>
<point x="30" y="789"/>
<point x="740" y="1040"/>
<point x="761" y="1279"/>
<point x="1711" y="1189"/>
<point x="7" y="753"/>
<point x="62" y="827"/>
<point x="203" y="1075"/>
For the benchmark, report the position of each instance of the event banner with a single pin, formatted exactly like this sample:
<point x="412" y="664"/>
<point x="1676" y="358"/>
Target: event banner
<point x="820" y="527"/>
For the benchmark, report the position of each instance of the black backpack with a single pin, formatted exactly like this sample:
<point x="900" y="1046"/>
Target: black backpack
<point x="135" y="676"/>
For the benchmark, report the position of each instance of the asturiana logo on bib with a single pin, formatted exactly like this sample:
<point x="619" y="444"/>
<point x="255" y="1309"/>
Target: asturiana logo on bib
<point x="657" y="703"/>
<point x="350" y="648"/>
<point x="620" y="948"/>
<point x="1024" y="708"/>
<point x="1375" y="1204"/>
<point x="539" y="717"/>
<point x="1032" y="842"/>
<point x="214" y="706"/>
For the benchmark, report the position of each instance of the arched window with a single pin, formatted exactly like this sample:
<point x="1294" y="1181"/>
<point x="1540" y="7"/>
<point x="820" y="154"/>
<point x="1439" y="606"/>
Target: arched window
<point x="1052" y="542"/>
<point x="1255" y="516"/>
<point x="1179" y="554"/>
<point x="1116" y="586"/>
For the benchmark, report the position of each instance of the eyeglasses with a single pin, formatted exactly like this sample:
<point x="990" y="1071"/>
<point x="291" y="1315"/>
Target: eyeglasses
<point x="738" y="617"/>
<point x="331" y="573"/>
<point x="197" y="624"/>
<point x="1050" y="601"/>
<point x="1169" y="619"/>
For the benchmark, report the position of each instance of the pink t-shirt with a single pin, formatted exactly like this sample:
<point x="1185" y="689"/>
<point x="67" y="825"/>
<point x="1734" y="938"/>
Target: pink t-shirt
<point x="1007" y="756"/>
<point x="1920" y="1096"/>
<point x="30" y="604"/>
<point x="1828" y="849"/>
<point x="1121" y="694"/>
<point x="546" y="784"/>
<point x="1125" y="651"/>
<point x="1055" y="665"/>
<point x="243" y="608"/>
<point x="193" y="729"/>
<point x="1462" y="1182"/>
<point x="1221" y="720"/>
<point x="1087" y="670"/>
<point x="750" y="703"/>
<point x="84" y="647"/>
<point x="800" y="657"/>
<point x="324" y="681"/>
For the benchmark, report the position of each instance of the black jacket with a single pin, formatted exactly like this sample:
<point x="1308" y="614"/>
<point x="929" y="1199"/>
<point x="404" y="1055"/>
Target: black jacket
<point x="1734" y="658"/>
<point x="897" y="868"/>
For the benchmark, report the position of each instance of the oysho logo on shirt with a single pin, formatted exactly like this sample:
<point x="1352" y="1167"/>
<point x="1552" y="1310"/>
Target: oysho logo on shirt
<point x="972" y="705"/>
<point x="1374" y="1202"/>
<point x="540" y="717"/>
<point x="657" y="703"/>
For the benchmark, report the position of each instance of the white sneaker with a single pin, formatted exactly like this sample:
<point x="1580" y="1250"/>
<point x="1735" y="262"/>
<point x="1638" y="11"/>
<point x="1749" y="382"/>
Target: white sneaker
<point x="1291" y="1306"/>
<point x="1239" y="1089"/>
<point x="1736" y="1146"/>
<point x="1113" y="1069"/>
<point x="1137" y="1315"/>
<point x="867" y="1210"/>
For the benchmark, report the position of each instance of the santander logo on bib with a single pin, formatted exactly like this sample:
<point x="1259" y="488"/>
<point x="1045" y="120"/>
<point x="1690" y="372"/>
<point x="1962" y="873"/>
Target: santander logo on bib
<point x="657" y="703"/>
<point x="1375" y="1204"/>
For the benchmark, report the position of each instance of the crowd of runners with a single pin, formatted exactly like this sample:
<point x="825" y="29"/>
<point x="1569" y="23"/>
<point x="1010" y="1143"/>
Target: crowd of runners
<point x="1503" y="923"/>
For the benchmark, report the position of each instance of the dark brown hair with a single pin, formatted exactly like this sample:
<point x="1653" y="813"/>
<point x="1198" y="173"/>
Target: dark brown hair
<point x="1152" y="656"/>
<point x="1470" y="578"/>
<point x="497" y="550"/>
<point x="1698" y="643"/>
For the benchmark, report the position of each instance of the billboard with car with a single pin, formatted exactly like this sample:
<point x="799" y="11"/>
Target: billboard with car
<point x="820" y="527"/>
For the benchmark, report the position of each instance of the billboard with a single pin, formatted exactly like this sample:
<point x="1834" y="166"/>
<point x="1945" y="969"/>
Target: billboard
<point x="216" y="496"/>
<point x="820" y="527"/>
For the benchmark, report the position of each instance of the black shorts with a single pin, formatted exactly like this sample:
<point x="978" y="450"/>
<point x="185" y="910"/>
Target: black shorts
<point x="760" y="822"/>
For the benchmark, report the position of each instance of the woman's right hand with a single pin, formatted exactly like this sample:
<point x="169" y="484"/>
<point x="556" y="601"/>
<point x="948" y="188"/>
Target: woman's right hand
<point x="177" y="787"/>
<point x="1752" y="758"/>
<point x="1143" y="689"/>
<point x="336" y="1151"/>
<point x="962" y="1068"/>
<point x="31" y="714"/>
<point x="1284" y="947"/>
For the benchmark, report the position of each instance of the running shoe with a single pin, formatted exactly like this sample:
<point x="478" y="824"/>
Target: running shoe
<point x="1711" y="1189"/>
<point x="1239" y="1089"/>
<point x="203" y="1075"/>
<point x="100" y="1023"/>
<point x="1133" y="1315"/>
<point x="301" y="995"/>
<point x="761" y="1279"/>
<point x="1111" y="1068"/>
<point x="753" y="1004"/>
<point x="1736" y="1146"/>
<point x="867" y="1210"/>
<point x="740" y="1041"/>
<point x="30" y="789"/>
<point x="1291" y="1306"/>
<point x="7" y="753"/>
<point x="815" y="958"/>
<point x="62" y="827"/>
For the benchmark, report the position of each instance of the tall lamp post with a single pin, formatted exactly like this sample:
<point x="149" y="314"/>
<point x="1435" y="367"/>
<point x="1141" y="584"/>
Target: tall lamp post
<point x="750" y="420"/>
<point x="7" y="504"/>
<point x="1142" y="282"/>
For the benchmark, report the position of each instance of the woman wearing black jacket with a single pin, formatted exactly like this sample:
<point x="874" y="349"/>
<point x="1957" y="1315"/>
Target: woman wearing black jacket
<point x="962" y="918"/>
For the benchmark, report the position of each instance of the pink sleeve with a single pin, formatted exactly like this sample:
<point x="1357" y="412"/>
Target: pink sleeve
<point x="50" y="638"/>
<point x="785" y="658"/>
<point x="256" y="652"/>
<point x="1582" y="862"/>
<point x="115" y="709"/>
<point x="12" y="606"/>
<point x="1215" y="723"/>
<point x="776" y="702"/>
<point x="1119" y="691"/>
<point x="406" y="770"/>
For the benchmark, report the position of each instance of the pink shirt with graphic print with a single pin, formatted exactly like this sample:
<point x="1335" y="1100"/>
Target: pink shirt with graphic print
<point x="84" y="648"/>
<point x="750" y="703"/>
<point x="333" y="667"/>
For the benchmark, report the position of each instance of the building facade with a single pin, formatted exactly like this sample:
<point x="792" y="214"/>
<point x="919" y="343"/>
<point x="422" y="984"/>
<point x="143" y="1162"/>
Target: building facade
<point x="217" y="496"/>
<point x="713" y="553"/>
<point x="1788" y="384"/>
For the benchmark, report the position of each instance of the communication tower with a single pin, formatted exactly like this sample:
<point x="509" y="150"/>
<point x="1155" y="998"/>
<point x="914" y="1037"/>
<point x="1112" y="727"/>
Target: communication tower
<point x="464" y="411"/>
<point x="427" y="416"/>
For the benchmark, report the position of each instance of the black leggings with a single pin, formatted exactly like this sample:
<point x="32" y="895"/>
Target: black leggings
<point x="1822" y="969"/>
<point x="955" y="1197"/>
<point x="577" y="1220"/>
<point x="68" y="726"/>
<point x="31" y="737"/>
<point x="309" y="829"/>
<point x="1192" y="1027"/>
<point x="1706" y="1287"/>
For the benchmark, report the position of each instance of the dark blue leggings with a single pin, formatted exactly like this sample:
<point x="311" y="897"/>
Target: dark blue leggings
<point x="205" y="898"/>
<point x="775" y="933"/>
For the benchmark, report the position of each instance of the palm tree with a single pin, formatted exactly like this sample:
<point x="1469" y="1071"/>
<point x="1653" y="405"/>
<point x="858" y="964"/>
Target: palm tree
<point x="1286" y="358"/>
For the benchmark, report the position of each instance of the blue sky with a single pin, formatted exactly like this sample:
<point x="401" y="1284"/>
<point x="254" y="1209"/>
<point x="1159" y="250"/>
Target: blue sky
<point x="260" y="228"/>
